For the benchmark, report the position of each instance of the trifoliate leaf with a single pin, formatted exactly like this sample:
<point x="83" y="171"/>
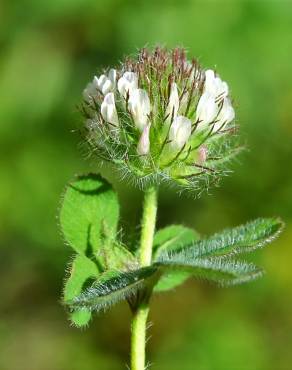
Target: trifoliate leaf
<point x="170" y="239"/>
<point x="112" y="287"/>
<point x="82" y="269"/>
<point x="241" y="239"/>
<point x="222" y="271"/>
<point x="89" y="214"/>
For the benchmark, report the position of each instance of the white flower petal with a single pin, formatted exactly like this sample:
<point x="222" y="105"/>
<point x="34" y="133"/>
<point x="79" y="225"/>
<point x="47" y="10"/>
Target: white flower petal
<point x="207" y="110"/>
<point x="90" y="89"/>
<point x="209" y="79"/>
<point x="107" y="86"/>
<point x="180" y="131"/>
<point x="112" y="75"/>
<point x="144" y="141"/>
<point x="127" y="83"/>
<point x="108" y="109"/>
<point x="226" y="114"/>
<point x="214" y="85"/>
<point x="101" y="80"/>
<point x="139" y="106"/>
<point x="173" y="103"/>
<point x="224" y="88"/>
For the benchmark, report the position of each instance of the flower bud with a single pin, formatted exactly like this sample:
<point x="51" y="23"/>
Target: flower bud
<point x="112" y="75"/>
<point x="207" y="110"/>
<point x="127" y="83"/>
<point x="226" y="114"/>
<point x="173" y="103"/>
<point x="144" y="141"/>
<point x="91" y="89"/>
<point x="102" y="83"/>
<point x="108" y="109"/>
<point x="139" y="106"/>
<point x="214" y="85"/>
<point x="180" y="131"/>
<point x="202" y="154"/>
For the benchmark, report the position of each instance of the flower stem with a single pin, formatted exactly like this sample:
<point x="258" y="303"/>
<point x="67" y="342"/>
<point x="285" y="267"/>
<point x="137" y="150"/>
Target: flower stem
<point x="148" y="226"/>
<point x="138" y="341"/>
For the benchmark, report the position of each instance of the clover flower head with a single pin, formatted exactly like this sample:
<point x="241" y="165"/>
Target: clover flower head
<point x="161" y="118"/>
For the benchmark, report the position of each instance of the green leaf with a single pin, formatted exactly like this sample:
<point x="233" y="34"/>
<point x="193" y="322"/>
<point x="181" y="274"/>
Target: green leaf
<point x="170" y="239"/>
<point x="241" y="239"/>
<point x="80" y="318"/>
<point x="81" y="270"/>
<point x="224" y="272"/>
<point x="112" y="287"/>
<point x="89" y="214"/>
<point x="170" y="280"/>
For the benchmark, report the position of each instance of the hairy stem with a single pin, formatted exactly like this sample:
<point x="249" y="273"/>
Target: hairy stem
<point x="148" y="226"/>
<point x="139" y="323"/>
<point x="138" y="341"/>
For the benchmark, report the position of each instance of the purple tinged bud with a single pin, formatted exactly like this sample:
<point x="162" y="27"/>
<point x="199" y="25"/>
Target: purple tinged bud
<point x="202" y="154"/>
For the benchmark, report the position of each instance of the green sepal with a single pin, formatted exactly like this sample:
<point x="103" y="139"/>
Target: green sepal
<point x="117" y="257"/>
<point x="89" y="215"/>
<point x="81" y="270"/>
<point x="171" y="239"/>
<point x="111" y="287"/>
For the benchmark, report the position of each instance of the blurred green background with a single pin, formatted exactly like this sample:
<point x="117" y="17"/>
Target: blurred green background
<point x="49" y="50"/>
